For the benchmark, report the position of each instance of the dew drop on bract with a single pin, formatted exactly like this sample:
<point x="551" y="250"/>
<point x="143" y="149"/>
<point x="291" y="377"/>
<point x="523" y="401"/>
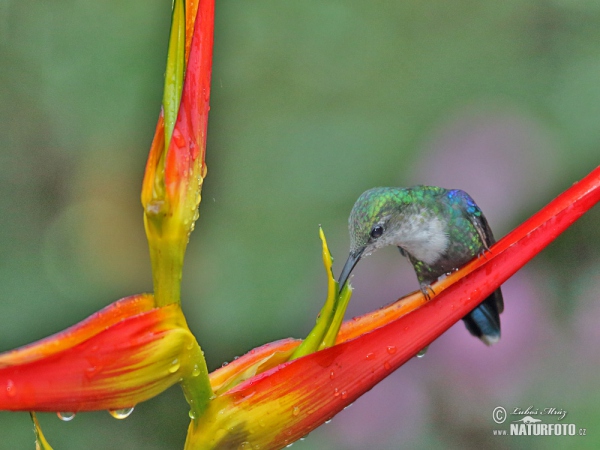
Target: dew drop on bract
<point x="66" y="416"/>
<point x="11" y="390"/>
<point x="196" y="370"/>
<point x="296" y="411"/>
<point x="174" y="366"/>
<point x="391" y="349"/>
<point x="121" y="413"/>
<point x="92" y="371"/>
<point x="422" y="352"/>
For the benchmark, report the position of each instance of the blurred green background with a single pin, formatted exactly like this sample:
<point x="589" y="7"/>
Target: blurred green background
<point x="312" y="103"/>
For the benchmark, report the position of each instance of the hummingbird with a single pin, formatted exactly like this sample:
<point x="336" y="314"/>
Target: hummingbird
<point x="437" y="229"/>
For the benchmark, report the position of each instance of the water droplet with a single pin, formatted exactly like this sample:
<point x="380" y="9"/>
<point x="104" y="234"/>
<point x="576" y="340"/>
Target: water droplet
<point x="122" y="413"/>
<point x="174" y="366"/>
<point x="344" y="395"/>
<point x="422" y="352"/>
<point x="391" y="349"/>
<point x="244" y="446"/>
<point x="296" y="411"/>
<point x="328" y="420"/>
<point x="370" y="356"/>
<point x="289" y="445"/>
<point x="336" y="392"/>
<point x="192" y="414"/>
<point x="11" y="390"/>
<point x="178" y="138"/>
<point x="66" y="416"/>
<point x="386" y="365"/>
<point x="331" y="375"/>
<point x="224" y="364"/>
<point x="92" y="371"/>
<point x="196" y="370"/>
<point x="154" y="207"/>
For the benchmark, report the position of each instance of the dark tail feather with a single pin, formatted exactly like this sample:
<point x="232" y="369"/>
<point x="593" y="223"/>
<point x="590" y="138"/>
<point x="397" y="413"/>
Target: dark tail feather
<point x="484" y="321"/>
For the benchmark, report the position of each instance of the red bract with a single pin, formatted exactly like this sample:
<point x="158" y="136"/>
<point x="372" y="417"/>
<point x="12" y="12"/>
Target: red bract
<point x="122" y="355"/>
<point x="188" y="145"/>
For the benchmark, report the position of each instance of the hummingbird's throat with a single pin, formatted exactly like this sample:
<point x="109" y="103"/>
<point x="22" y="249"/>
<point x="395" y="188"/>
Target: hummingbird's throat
<point x="423" y="237"/>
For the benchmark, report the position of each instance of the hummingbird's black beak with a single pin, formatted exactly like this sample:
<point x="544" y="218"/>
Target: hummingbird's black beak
<point x="352" y="260"/>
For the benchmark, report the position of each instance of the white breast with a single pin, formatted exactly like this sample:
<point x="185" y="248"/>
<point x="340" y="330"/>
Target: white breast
<point x="424" y="239"/>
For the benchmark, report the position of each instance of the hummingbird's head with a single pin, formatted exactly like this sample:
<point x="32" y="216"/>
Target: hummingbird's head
<point x="373" y="223"/>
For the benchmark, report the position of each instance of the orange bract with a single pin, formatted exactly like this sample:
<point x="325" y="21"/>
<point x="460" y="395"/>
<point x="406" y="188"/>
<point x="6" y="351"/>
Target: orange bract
<point x="120" y="356"/>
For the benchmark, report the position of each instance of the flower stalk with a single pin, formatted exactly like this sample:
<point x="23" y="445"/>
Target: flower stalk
<point x="176" y="165"/>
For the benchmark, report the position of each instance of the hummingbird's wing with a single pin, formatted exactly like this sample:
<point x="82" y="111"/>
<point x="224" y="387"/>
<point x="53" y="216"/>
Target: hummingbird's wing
<point x="474" y="214"/>
<point x="483" y="228"/>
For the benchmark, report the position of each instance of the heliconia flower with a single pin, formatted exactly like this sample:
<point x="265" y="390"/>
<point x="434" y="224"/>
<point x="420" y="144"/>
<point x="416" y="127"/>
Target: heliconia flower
<point x="277" y="407"/>
<point x="176" y="164"/>
<point x="139" y="346"/>
<point x="132" y="350"/>
<point x="124" y="354"/>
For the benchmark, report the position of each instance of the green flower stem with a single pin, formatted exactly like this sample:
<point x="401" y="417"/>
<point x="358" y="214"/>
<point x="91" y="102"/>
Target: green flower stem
<point x="338" y="318"/>
<point x="196" y="386"/>
<point x="166" y="255"/>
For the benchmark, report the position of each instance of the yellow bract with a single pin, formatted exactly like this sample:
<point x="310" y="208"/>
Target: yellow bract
<point x="325" y="332"/>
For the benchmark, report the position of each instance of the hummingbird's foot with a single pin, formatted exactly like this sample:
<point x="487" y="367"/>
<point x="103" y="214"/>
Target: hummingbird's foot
<point x="425" y="288"/>
<point x="484" y="253"/>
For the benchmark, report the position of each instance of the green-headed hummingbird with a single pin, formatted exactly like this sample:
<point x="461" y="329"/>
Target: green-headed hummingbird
<point x="437" y="229"/>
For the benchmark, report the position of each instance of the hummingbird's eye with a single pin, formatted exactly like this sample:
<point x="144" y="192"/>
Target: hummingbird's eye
<point x="376" y="232"/>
